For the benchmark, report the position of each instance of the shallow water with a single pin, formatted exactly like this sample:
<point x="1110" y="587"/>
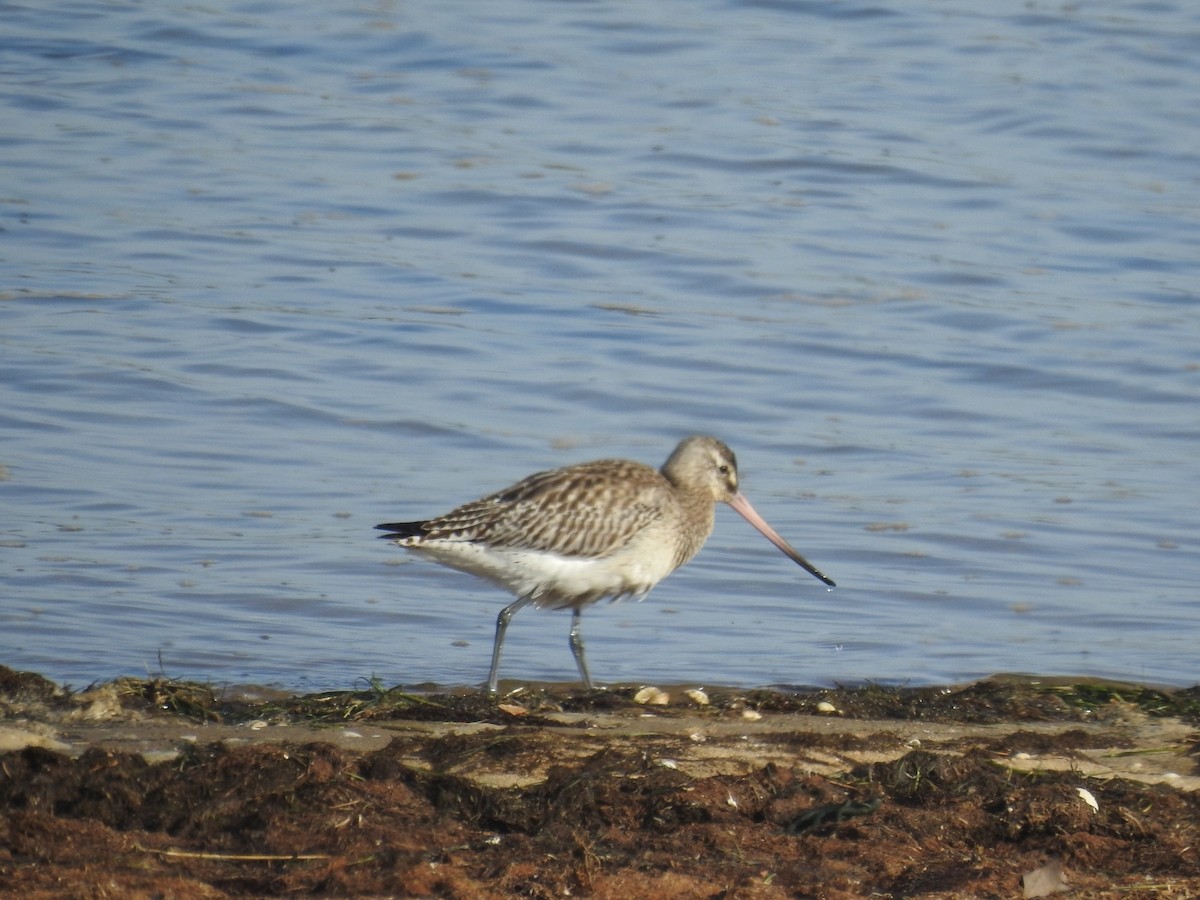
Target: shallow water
<point x="273" y="273"/>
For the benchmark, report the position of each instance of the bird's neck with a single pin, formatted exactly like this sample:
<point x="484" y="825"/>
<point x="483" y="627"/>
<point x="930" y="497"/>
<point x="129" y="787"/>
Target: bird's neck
<point x="696" y="524"/>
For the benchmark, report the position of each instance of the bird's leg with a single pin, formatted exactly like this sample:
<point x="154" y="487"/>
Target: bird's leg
<point x="502" y="626"/>
<point x="577" y="649"/>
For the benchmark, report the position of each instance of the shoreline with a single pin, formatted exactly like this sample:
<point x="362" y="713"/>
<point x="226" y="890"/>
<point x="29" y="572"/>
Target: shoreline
<point x="168" y="787"/>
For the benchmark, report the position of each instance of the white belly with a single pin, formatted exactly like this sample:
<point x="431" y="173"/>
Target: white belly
<point x="554" y="580"/>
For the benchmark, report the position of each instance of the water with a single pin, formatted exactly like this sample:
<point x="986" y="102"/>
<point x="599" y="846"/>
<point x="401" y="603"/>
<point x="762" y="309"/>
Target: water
<point x="273" y="273"/>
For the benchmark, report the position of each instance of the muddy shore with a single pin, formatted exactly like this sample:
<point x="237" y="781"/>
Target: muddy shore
<point x="998" y="789"/>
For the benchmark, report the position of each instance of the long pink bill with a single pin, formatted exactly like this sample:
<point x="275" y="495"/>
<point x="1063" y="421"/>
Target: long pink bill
<point x="747" y="512"/>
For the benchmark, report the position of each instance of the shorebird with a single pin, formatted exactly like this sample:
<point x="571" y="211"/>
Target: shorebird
<point x="569" y="537"/>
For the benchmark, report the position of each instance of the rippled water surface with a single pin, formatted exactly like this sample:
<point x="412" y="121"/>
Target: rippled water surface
<point x="275" y="272"/>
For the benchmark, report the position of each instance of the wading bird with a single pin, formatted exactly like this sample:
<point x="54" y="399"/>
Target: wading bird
<point x="569" y="537"/>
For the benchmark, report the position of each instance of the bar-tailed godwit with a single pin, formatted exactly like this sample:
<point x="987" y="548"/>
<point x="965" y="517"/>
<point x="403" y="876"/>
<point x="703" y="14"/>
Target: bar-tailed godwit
<point x="569" y="537"/>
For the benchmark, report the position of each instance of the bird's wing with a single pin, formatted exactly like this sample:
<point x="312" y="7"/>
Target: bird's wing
<point x="593" y="509"/>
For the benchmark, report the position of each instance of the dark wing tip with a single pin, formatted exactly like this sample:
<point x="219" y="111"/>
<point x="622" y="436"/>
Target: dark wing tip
<point x="401" y="530"/>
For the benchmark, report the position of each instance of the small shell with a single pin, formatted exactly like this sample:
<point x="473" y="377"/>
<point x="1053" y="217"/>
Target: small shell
<point x="652" y="696"/>
<point x="1087" y="798"/>
<point x="698" y="697"/>
<point x="751" y="715"/>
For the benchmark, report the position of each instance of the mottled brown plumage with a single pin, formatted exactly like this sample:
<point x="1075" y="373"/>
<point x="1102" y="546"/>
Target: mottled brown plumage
<point x="572" y="536"/>
<point x="566" y="511"/>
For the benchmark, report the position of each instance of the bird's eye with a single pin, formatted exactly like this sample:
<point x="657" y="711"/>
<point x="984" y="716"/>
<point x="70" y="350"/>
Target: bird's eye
<point x="724" y="470"/>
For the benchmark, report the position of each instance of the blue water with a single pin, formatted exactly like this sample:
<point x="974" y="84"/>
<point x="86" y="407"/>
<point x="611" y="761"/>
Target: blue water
<point x="273" y="272"/>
